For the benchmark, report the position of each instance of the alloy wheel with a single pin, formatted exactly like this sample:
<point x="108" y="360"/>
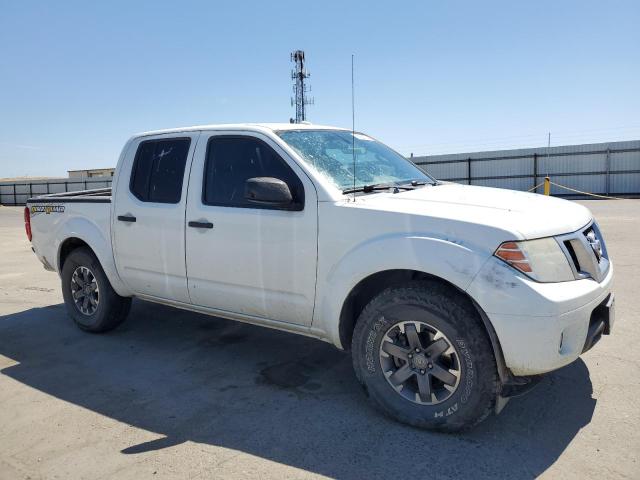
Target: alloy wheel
<point x="420" y="362"/>
<point x="85" y="291"/>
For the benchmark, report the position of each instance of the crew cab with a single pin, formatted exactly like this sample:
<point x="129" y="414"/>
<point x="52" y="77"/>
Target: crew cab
<point x="450" y="298"/>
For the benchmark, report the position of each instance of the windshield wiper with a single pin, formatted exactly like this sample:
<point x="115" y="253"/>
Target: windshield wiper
<point x="376" y="187"/>
<point x="420" y="183"/>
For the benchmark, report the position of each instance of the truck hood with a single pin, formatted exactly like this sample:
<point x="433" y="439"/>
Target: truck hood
<point x="521" y="214"/>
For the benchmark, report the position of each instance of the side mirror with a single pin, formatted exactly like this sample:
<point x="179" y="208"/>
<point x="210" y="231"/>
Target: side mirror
<point x="268" y="191"/>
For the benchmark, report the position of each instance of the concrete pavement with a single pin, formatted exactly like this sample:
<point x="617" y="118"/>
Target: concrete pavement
<point x="173" y="394"/>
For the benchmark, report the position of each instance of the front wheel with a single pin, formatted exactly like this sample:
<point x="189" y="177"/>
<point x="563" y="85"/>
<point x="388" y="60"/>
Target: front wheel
<point x="424" y="357"/>
<point x="90" y="300"/>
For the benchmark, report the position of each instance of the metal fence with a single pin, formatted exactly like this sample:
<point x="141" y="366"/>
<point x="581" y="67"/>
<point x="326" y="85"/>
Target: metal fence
<point x="602" y="168"/>
<point x="17" y="193"/>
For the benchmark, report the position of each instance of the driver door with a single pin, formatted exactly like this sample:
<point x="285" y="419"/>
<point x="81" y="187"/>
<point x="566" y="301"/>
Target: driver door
<point x="253" y="260"/>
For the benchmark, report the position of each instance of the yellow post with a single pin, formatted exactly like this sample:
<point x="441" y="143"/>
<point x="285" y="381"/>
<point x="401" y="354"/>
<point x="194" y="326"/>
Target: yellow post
<point x="547" y="186"/>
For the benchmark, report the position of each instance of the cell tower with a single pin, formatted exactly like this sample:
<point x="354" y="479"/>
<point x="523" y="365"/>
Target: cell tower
<point x="300" y="98"/>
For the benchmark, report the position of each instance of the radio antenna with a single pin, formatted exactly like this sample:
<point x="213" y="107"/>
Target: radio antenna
<point x="353" y="130"/>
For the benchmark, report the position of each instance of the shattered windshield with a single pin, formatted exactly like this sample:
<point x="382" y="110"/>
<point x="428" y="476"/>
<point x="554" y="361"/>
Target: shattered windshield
<point x="331" y="153"/>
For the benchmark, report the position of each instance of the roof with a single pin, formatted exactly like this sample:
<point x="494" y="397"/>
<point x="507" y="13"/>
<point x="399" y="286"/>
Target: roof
<point x="244" y="126"/>
<point x="91" y="169"/>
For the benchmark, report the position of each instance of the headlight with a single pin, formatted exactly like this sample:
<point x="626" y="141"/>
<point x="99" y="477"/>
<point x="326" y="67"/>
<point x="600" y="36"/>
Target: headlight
<point x="542" y="259"/>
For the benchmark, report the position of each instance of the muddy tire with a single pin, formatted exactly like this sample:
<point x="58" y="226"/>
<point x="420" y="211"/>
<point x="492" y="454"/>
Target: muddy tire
<point x="424" y="358"/>
<point x="90" y="300"/>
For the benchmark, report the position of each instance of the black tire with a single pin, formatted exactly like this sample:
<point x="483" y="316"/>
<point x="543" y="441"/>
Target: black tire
<point x="110" y="310"/>
<point x="471" y="355"/>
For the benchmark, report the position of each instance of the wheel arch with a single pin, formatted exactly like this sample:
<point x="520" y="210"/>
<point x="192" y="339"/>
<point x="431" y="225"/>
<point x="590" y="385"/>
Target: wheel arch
<point x="67" y="246"/>
<point x="73" y="242"/>
<point x="365" y="290"/>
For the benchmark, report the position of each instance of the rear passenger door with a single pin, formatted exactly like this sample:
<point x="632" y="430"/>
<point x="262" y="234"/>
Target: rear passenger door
<point x="149" y="211"/>
<point x="255" y="260"/>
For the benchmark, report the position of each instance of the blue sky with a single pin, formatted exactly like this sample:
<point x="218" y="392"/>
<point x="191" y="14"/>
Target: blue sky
<point x="78" y="78"/>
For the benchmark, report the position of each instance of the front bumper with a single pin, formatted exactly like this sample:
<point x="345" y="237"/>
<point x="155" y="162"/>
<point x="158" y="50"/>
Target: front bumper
<point x="541" y="326"/>
<point x="601" y="322"/>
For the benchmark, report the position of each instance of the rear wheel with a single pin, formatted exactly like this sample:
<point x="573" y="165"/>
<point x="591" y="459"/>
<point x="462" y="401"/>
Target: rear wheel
<point x="424" y="358"/>
<point x="90" y="300"/>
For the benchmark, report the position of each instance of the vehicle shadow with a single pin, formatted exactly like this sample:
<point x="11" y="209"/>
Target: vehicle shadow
<point x="282" y="397"/>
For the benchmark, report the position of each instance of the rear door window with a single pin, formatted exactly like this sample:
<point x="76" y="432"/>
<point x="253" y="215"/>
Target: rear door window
<point x="158" y="170"/>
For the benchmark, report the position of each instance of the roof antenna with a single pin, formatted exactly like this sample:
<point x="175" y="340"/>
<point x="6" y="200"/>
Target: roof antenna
<point x="353" y="131"/>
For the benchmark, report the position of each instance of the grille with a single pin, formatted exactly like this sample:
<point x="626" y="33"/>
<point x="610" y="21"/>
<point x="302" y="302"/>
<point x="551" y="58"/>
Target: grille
<point x="586" y="252"/>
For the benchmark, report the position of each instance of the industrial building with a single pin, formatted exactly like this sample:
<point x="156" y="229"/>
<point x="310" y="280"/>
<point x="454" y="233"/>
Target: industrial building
<point x="91" y="173"/>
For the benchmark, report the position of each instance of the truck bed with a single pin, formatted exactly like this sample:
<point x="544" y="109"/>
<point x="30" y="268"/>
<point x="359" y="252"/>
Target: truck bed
<point x="63" y="214"/>
<point x="97" y="195"/>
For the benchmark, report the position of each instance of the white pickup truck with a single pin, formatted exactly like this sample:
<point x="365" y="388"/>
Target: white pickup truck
<point x="450" y="298"/>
